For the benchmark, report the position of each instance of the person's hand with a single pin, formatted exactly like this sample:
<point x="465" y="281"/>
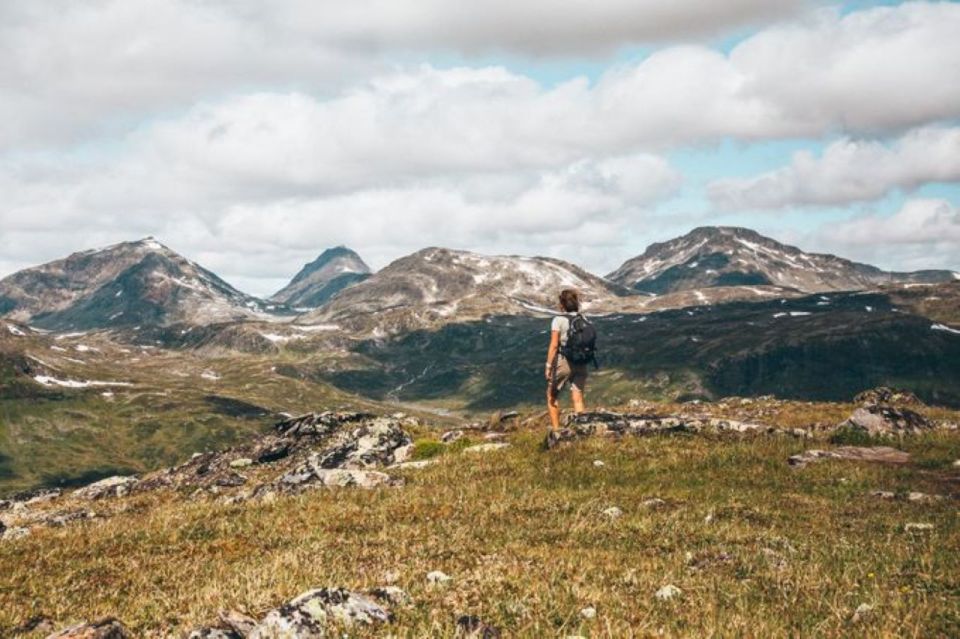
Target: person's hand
<point x="548" y="372"/>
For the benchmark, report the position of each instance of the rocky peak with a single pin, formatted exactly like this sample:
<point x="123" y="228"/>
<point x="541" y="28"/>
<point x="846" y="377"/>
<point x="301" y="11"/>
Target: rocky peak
<point x="711" y="256"/>
<point x="129" y="283"/>
<point x="335" y="269"/>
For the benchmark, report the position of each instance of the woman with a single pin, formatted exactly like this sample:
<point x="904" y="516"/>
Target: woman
<point x="558" y="370"/>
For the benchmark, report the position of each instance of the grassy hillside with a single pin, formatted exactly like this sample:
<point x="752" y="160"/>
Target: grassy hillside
<point x="756" y="547"/>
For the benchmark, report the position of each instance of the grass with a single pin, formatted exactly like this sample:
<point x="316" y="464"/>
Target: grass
<point x="758" y="548"/>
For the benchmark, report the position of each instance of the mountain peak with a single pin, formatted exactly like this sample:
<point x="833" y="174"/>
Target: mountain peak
<point x="710" y="256"/>
<point x="334" y="269"/>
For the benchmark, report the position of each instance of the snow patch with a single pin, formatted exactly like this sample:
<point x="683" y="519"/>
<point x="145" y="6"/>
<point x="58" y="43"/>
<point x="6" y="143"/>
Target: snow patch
<point x="792" y="314"/>
<point x="15" y="331"/>
<point x="83" y="348"/>
<point x="944" y="327"/>
<point x="47" y="380"/>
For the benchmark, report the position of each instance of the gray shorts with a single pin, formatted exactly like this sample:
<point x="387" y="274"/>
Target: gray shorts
<point x="576" y="375"/>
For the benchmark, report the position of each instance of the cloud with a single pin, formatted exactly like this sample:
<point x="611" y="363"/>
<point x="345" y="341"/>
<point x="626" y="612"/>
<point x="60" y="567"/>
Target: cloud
<point x="924" y="233"/>
<point x="847" y="171"/>
<point x="253" y="183"/>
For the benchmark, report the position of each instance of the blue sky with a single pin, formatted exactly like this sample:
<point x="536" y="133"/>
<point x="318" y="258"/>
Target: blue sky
<point x="250" y="137"/>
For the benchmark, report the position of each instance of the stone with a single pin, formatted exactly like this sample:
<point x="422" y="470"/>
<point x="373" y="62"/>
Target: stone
<point x="116" y="486"/>
<point x="13" y="532"/>
<point x="308" y="615"/>
<point x="403" y="454"/>
<point x="494" y="437"/>
<point x="438" y="578"/>
<point x="881" y="420"/>
<point x="486" y="448"/>
<point x="420" y="463"/>
<point x="241" y="462"/>
<point x="884" y="395"/>
<point x="104" y="629"/>
<point x="883" y="494"/>
<point x="589" y="612"/>
<point x="473" y="627"/>
<point x="922" y="497"/>
<point x="918" y="527"/>
<point x="64" y="518"/>
<point x="392" y="595"/>
<point x="862" y="612"/>
<point x="451" y="436"/>
<point x="613" y="513"/>
<point x="882" y="454"/>
<point x="668" y="592"/>
<point x="597" y="463"/>
<point x="653" y="503"/>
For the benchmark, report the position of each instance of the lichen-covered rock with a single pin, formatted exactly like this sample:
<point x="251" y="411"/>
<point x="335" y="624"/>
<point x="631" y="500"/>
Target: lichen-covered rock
<point x="883" y="454"/>
<point x="232" y="625"/>
<point x="879" y="420"/>
<point x="606" y="423"/>
<point x="392" y="595"/>
<point x="309" y="615"/>
<point x="887" y="396"/>
<point x="103" y="629"/>
<point x="116" y="486"/>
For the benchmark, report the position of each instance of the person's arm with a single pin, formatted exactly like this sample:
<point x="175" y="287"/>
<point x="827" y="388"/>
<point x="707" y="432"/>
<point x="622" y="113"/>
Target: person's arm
<point x="552" y="353"/>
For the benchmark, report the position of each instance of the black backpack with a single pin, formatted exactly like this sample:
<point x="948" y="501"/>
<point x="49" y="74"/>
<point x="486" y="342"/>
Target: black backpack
<point x="581" y="346"/>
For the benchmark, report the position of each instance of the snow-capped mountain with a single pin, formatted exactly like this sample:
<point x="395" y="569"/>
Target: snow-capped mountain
<point x="730" y="256"/>
<point x="437" y="285"/>
<point x="335" y="269"/>
<point x="127" y="284"/>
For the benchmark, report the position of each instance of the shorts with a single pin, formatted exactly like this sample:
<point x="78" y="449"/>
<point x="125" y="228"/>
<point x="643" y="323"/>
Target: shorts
<point x="576" y="375"/>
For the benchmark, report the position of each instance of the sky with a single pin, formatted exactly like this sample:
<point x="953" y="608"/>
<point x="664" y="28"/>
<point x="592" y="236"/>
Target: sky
<point x="250" y="136"/>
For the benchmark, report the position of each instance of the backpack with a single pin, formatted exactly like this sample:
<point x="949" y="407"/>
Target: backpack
<point x="581" y="345"/>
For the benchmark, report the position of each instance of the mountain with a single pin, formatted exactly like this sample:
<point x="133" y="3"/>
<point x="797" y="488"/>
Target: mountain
<point x="127" y="284"/>
<point x="713" y="256"/>
<point x="335" y="269"/>
<point x="434" y="285"/>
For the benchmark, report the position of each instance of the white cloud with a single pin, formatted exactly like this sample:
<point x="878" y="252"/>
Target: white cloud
<point x="253" y="183"/>
<point x="848" y="171"/>
<point x="924" y="233"/>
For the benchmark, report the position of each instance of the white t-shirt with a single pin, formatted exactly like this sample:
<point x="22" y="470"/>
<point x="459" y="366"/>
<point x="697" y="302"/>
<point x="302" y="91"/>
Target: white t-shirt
<point x="561" y="323"/>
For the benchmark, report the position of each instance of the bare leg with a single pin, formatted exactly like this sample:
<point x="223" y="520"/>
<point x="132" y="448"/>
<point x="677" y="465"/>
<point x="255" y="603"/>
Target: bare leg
<point x="578" y="405"/>
<point x="554" y="409"/>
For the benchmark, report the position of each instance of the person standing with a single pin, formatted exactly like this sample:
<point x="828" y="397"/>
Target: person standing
<point x="572" y="347"/>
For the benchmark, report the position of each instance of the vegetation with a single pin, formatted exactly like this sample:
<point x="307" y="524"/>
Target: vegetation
<point x="756" y="547"/>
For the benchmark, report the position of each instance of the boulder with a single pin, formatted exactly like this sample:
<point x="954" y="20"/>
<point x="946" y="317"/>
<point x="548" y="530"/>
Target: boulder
<point x="879" y="420"/>
<point x="308" y="615"/>
<point x="882" y="454"/>
<point x="116" y="486"/>
<point x="887" y="396"/>
<point x="103" y="629"/>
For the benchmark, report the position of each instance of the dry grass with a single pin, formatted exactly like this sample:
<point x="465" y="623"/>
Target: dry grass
<point x="784" y="552"/>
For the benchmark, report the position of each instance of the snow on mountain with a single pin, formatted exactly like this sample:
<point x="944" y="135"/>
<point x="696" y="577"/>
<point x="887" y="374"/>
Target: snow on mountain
<point x="732" y="256"/>
<point x="127" y="284"/>
<point x="335" y="269"/>
<point x="436" y="285"/>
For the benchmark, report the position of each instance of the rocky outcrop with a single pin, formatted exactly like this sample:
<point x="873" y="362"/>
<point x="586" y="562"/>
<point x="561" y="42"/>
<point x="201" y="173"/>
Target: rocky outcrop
<point x="605" y="423"/>
<point x="115" y="486"/>
<point x="103" y="629"/>
<point x="312" y="615"/>
<point x="884" y="395"/>
<point x="883" y="454"/>
<point x="881" y="420"/>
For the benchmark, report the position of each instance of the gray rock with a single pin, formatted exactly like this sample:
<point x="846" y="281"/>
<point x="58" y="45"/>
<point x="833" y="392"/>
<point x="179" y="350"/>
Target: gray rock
<point x="883" y="454"/>
<point x="451" y="436"/>
<point x="116" y="486"/>
<point x="104" y="629"/>
<point x="589" y="612"/>
<point x="613" y="513"/>
<point x="918" y="527"/>
<point x="308" y="615"/>
<point x="668" y="592"/>
<point x="880" y="420"/>
<point x="438" y="578"/>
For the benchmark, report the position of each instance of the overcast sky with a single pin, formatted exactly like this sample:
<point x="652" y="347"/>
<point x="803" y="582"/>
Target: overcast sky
<point x="250" y="136"/>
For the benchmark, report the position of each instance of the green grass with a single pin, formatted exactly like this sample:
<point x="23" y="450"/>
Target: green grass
<point x="758" y="548"/>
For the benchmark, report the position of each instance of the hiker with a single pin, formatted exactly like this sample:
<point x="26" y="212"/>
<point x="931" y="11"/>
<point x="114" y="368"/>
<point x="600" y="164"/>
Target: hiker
<point x="572" y="342"/>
